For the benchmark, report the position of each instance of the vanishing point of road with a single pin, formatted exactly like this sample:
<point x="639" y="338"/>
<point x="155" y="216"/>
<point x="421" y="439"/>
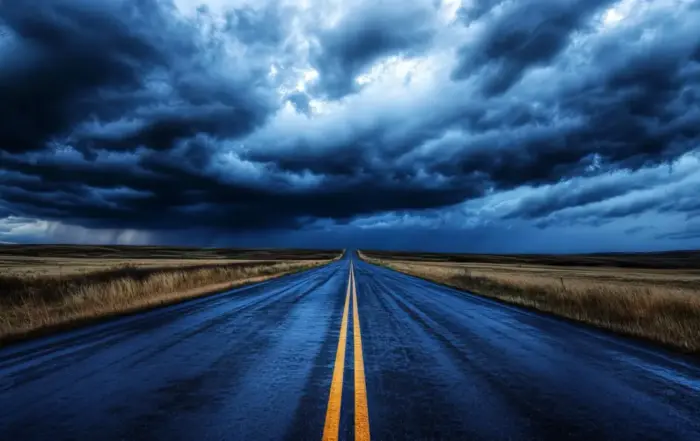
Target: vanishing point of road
<point x="347" y="351"/>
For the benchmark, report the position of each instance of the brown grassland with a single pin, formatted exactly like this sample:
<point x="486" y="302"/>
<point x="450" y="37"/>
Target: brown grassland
<point x="641" y="295"/>
<point x="46" y="288"/>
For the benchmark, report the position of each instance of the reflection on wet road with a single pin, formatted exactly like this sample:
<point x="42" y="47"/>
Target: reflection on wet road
<point x="258" y="363"/>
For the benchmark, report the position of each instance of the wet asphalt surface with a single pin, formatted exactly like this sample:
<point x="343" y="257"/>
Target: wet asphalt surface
<point x="256" y="363"/>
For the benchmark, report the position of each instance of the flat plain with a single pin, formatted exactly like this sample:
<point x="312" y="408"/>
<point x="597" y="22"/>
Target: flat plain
<point x="655" y="296"/>
<point x="47" y="287"/>
<point x="346" y="350"/>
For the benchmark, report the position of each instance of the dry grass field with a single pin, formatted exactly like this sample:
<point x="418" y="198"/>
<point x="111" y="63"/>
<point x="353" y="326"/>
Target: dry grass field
<point x="159" y="252"/>
<point x="661" y="260"/>
<point x="24" y="266"/>
<point x="660" y="304"/>
<point x="44" y="288"/>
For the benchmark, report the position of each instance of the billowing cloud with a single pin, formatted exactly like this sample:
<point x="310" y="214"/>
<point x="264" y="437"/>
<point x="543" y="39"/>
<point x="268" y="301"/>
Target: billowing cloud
<point x="363" y="34"/>
<point x="241" y="119"/>
<point x="119" y="75"/>
<point x="515" y="36"/>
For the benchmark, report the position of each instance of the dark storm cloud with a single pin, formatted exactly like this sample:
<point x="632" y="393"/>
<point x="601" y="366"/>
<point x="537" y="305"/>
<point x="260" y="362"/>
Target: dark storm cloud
<point x="476" y="9"/>
<point x="4" y="212"/>
<point x="63" y="52"/>
<point x="580" y="193"/>
<point x="602" y="201"/>
<point x="177" y="188"/>
<point x="126" y="115"/>
<point x="543" y="204"/>
<point x="691" y="231"/>
<point x="364" y="35"/>
<point x="597" y="216"/>
<point x="264" y="26"/>
<point x="623" y="113"/>
<point x="301" y="102"/>
<point x="628" y="111"/>
<point x="524" y="34"/>
<point x="637" y="229"/>
<point x="74" y="59"/>
<point x="161" y="129"/>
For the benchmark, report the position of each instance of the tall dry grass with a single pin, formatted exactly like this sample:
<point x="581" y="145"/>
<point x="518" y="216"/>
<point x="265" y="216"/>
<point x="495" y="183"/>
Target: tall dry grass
<point x="31" y="305"/>
<point x="655" y="310"/>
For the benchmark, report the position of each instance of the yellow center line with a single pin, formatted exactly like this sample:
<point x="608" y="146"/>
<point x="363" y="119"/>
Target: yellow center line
<point x="332" y="426"/>
<point x="361" y="410"/>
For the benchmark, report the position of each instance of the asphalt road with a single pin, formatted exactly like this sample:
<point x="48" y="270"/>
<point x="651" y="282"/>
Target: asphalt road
<point x="264" y="363"/>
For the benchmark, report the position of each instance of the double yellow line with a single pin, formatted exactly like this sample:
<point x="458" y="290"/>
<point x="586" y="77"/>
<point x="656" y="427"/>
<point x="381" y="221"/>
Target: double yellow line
<point x="332" y="426"/>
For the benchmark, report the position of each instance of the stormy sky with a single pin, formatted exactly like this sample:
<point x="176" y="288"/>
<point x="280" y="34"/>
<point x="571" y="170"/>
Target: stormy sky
<point x="476" y="126"/>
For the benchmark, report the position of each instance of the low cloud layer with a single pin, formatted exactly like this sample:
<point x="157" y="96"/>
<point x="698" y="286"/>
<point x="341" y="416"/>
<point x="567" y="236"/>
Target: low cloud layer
<point x="381" y="124"/>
